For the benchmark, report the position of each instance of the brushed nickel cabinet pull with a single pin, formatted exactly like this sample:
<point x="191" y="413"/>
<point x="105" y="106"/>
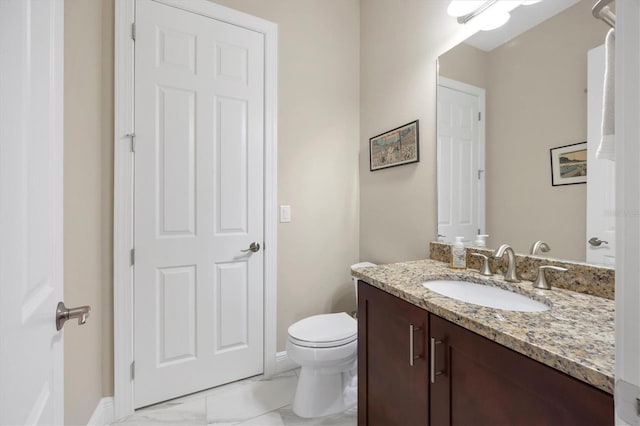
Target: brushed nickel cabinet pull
<point x="412" y="357"/>
<point x="433" y="372"/>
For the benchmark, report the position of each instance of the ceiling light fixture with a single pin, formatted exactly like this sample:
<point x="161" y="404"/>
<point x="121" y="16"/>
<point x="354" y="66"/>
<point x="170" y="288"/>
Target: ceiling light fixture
<point x="460" y="8"/>
<point x="479" y="9"/>
<point x="496" y="20"/>
<point x="491" y="13"/>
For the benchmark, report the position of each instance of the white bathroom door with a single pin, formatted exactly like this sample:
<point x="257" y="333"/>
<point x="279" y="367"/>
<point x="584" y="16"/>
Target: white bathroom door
<point x="31" y="102"/>
<point x="460" y="154"/>
<point x="199" y="112"/>
<point x="601" y="174"/>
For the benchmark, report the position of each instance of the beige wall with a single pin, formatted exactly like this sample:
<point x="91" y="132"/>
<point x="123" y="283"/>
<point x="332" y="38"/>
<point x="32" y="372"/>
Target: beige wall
<point x="400" y="42"/>
<point x="466" y="64"/>
<point x="88" y="205"/>
<point x="318" y="133"/>
<point x="318" y="130"/>
<point x="535" y="101"/>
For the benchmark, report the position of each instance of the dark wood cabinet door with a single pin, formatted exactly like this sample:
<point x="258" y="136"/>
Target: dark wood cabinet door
<point x="391" y="391"/>
<point x="484" y="383"/>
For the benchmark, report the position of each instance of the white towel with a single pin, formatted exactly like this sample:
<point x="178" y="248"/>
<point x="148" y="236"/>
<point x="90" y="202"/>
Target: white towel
<point x="607" y="148"/>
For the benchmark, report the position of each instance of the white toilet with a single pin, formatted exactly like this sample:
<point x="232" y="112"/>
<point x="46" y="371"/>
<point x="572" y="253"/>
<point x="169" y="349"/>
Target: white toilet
<point x="325" y="346"/>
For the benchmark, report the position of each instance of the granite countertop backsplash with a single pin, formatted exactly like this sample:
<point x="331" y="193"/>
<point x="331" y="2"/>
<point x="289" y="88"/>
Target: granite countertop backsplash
<point x="581" y="277"/>
<point x="575" y="336"/>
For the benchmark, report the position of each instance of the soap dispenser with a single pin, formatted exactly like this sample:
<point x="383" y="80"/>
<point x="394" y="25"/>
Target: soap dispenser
<point x="458" y="254"/>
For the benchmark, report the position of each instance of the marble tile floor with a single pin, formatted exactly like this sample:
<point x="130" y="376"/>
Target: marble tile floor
<point x="257" y="401"/>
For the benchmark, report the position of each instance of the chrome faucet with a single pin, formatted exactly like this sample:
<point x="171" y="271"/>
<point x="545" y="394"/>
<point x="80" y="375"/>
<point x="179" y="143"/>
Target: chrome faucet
<point x="539" y="246"/>
<point x="511" y="275"/>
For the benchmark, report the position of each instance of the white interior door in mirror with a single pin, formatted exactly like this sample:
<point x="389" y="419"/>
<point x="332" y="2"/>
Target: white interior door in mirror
<point x="461" y="177"/>
<point x="601" y="189"/>
<point x="199" y="110"/>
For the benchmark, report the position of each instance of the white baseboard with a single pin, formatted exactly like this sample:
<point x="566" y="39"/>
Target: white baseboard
<point x="283" y="363"/>
<point x="103" y="414"/>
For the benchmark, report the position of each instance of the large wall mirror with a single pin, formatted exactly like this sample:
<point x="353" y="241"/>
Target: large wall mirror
<point x="506" y="98"/>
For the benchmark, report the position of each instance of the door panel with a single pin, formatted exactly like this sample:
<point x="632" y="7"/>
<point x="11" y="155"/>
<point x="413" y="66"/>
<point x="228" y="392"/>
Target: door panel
<point x="177" y="314"/>
<point x="231" y="150"/>
<point x="177" y="49"/>
<point x="232" y="285"/>
<point x="199" y="94"/>
<point x="176" y="162"/>
<point x="31" y="102"/>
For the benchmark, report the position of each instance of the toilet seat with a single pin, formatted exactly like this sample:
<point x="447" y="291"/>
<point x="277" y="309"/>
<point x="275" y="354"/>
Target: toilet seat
<point x="332" y="344"/>
<point x="324" y="331"/>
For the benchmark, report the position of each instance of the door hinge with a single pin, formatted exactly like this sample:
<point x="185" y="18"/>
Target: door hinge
<point x="133" y="31"/>
<point x="479" y="116"/>
<point x="133" y="370"/>
<point x="132" y="141"/>
<point x="132" y="257"/>
<point x="480" y="171"/>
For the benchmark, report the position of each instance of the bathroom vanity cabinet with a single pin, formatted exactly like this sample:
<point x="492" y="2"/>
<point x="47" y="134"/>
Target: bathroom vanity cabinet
<point x="392" y="364"/>
<point x="470" y="379"/>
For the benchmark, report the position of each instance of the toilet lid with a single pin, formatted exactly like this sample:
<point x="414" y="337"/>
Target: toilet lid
<point x="362" y="265"/>
<point x="322" y="331"/>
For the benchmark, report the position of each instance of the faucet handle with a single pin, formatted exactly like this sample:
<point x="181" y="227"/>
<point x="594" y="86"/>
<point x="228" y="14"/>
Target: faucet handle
<point x="539" y="246"/>
<point x="485" y="269"/>
<point x="541" y="280"/>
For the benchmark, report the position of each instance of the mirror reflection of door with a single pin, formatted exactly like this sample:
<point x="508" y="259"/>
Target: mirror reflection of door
<point x="460" y="160"/>
<point x="601" y="175"/>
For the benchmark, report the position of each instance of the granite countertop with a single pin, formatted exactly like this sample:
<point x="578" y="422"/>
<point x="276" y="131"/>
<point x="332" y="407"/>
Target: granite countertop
<point x="575" y="336"/>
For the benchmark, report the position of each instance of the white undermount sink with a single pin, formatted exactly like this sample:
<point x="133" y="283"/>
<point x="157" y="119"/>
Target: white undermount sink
<point x="485" y="295"/>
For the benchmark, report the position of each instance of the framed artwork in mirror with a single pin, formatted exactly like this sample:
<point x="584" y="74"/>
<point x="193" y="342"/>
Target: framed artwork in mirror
<point x="395" y="147"/>
<point x="569" y="164"/>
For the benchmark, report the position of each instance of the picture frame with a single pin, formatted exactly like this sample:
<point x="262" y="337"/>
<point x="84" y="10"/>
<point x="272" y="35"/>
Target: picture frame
<point x="395" y="147"/>
<point x="569" y="164"/>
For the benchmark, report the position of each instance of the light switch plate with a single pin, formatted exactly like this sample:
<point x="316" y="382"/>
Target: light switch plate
<point x="285" y="214"/>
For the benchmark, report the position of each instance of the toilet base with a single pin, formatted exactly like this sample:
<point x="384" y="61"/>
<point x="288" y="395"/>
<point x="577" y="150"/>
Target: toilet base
<point x="324" y="392"/>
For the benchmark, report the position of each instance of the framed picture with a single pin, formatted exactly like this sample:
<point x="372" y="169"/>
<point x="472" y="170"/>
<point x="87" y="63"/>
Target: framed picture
<point x="569" y="164"/>
<point x="395" y="147"/>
